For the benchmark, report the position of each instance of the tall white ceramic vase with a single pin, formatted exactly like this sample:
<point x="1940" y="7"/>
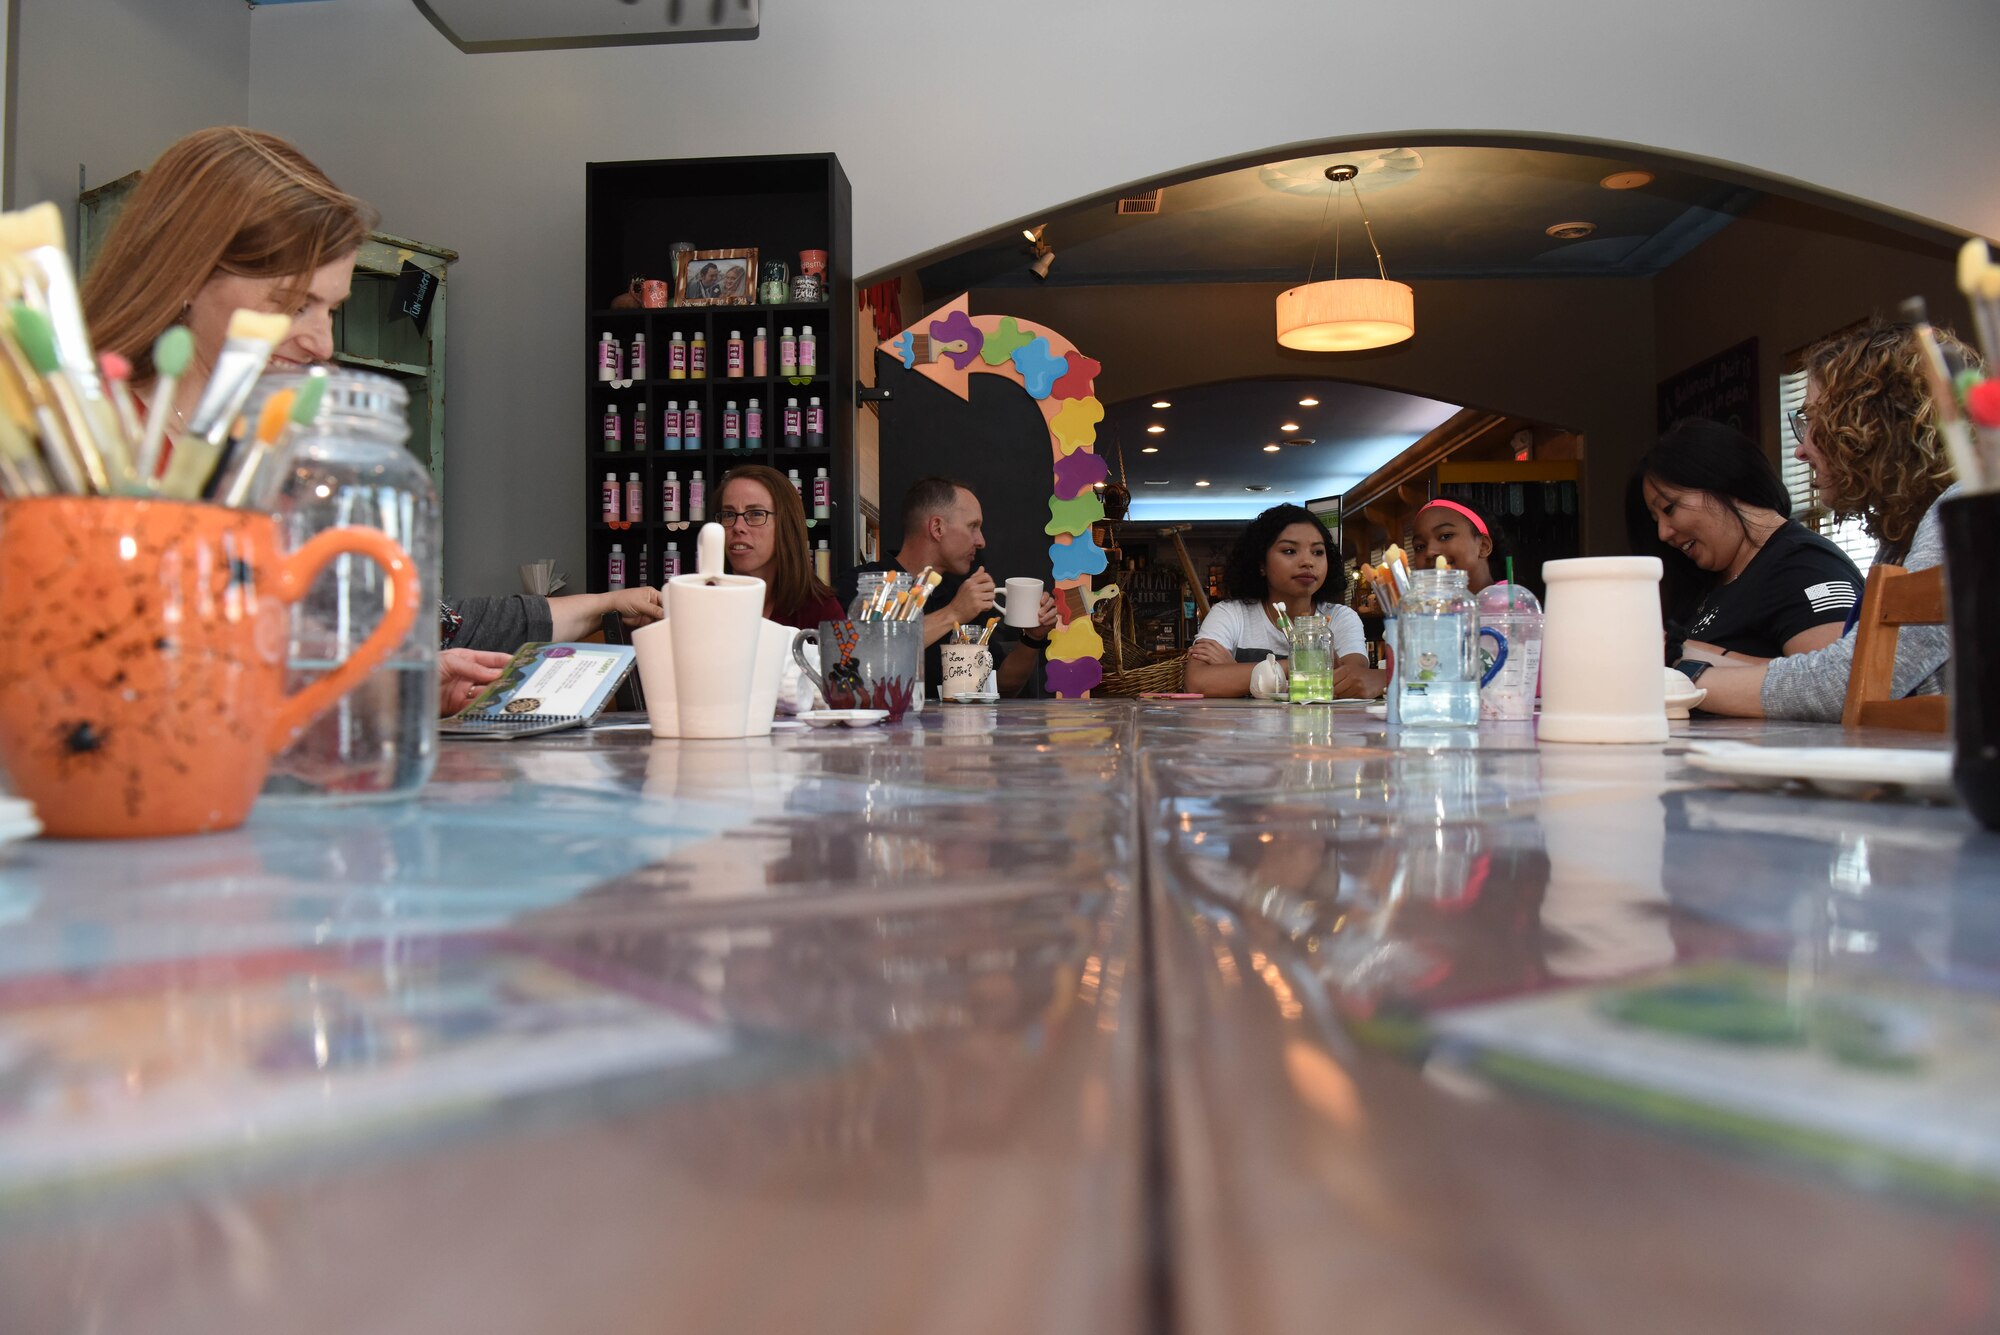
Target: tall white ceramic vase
<point x="1602" y="645"/>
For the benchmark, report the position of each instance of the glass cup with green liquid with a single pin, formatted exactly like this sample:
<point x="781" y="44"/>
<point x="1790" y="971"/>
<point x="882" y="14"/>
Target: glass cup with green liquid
<point x="1312" y="659"/>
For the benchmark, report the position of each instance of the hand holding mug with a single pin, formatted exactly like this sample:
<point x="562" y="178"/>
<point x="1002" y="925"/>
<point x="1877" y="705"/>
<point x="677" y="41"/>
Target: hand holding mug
<point x="973" y="597"/>
<point x="1021" y="602"/>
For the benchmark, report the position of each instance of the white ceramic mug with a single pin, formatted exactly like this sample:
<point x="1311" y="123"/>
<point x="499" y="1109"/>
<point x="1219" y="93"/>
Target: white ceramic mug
<point x="716" y="623"/>
<point x="1601" y="647"/>
<point x="1021" y="602"/>
<point x="655" y="648"/>
<point x="968" y="671"/>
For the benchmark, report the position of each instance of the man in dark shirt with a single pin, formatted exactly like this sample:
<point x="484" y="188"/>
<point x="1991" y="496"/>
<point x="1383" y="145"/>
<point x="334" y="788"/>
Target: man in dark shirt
<point x="942" y="523"/>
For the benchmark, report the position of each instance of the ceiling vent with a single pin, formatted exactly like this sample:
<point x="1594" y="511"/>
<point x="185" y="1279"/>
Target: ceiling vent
<point x="541" y="25"/>
<point x="1298" y="440"/>
<point x="1146" y="203"/>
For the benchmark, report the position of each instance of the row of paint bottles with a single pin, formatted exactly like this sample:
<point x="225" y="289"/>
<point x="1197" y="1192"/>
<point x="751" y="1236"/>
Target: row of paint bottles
<point x="670" y="498"/>
<point x="687" y="359"/>
<point x="623" y="503"/>
<point x="798" y="355"/>
<point x="614" y="575"/>
<point x="687" y="356"/>
<point x="744" y="430"/>
<point x="680" y="428"/>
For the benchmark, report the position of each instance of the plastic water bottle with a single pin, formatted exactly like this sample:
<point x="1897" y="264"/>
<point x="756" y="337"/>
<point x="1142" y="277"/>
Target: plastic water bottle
<point x="1437" y="651"/>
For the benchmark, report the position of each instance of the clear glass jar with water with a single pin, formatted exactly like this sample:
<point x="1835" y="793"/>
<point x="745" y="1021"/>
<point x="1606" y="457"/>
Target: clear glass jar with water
<point x="350" y="467"/>
<point x="1437" y="651"/>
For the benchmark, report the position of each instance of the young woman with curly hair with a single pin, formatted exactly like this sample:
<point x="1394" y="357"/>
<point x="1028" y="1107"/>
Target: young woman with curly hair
<point x="1868" y="429"/>
<point x="1285" y="557"/>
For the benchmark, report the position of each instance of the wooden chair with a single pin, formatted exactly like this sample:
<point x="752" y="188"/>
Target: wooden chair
<point x="1894" y="598"/>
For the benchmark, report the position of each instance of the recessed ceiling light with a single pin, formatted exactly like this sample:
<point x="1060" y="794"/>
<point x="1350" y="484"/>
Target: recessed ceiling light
<point x="1161" y="403"/>
<point x="1631" y="180"/>
<point x="1288" y="426"/>
<point x="1152" y="482"/>
<point x="1309" y="402"/>
<point x="1571" y="231"/>
<point x="1155" y="429"/>
<point x="1270" y="449"/>
<point x="1202" y="483"/>
<point x="1149" y="449"/>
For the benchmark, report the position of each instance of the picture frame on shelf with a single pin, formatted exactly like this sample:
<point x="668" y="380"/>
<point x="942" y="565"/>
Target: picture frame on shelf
<point x="715" y="277"/>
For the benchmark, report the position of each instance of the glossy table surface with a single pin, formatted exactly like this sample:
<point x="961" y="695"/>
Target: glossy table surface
<point x="1090" y="1016"/>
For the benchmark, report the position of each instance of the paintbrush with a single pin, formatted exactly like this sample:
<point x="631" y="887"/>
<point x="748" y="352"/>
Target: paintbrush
<point x="1979" y="280"/>
<point x="25" y="421"/>
<point x="118" y="381"/>
<point x="62" y="417"/>
<point x="247" y="347"/>
<point x="987" y="634"/>
<point x="34" y="236"/>
<point x="254" y="465"/>
<point x="1284" y="618"/>
<point x="171" y="353"/>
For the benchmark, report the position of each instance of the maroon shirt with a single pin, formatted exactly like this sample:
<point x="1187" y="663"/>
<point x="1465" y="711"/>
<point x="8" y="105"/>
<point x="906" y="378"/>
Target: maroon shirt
<point x="811" y="612"/>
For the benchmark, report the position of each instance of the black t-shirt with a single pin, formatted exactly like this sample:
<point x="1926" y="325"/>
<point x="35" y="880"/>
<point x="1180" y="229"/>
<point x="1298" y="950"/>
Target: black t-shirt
<point x="1004" y="637"/>
<point x="1799" y="580"/>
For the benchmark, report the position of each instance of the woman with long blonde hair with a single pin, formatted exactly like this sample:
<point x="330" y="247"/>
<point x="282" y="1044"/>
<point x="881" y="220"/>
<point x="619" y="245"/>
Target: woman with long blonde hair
<point x="1869" y="431"/>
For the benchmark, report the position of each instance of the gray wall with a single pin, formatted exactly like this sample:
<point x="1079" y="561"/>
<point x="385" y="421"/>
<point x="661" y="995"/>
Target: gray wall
<point x="952" y="118"/>
<point x="110" y="83"/>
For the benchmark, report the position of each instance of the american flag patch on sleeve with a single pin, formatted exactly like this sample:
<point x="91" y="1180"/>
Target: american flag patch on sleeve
<point x="1836" y="595"/>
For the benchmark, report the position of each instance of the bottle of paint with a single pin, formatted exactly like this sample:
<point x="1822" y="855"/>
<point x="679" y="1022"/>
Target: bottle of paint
<point x="789" y="432"/>
<point x="815" y="425"/>
<point x="823" y="562"/>
<point x="792" y="476"/>
<point x="697" y="498"/>
<point x="612" y="495"/>
<point x="670" y="562"/>
<point x="639" y="427"/>
<point x="607" y="356"/>
<point x="670" y="500"/>
<point x="645" y="567"/>
<point x="638" y="357"/>
<point x="615" y="576"/>
<point x="698" y="357"/>
<point x="753" y="425"/>
<point x="670" y="426"/>
<point x="614" y="429"/>
<point x="732" y="427"/>
<point x="733" y="354"/>
<point x="822" y="496"/>
<point x="677" y="357"/>
<point x="760" y="353"/>
<point x="635" y="504"/>
<point x="691" y="425"/>
<point x="808" y="352"/>
<point x="788" y="353"/>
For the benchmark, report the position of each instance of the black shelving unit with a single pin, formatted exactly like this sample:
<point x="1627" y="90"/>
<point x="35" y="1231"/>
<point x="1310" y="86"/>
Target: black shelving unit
<point x="782" y="205"/>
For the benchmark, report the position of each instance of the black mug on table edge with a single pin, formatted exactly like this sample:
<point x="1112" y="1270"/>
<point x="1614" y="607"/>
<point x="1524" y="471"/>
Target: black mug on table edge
<point x="1972" y="585"/>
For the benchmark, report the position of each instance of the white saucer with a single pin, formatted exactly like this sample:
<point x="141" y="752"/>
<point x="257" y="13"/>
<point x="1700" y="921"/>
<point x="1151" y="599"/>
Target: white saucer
<point x="849" y="718"/>
<point x="1844" y="771"/>
<point x="973" y="698"/>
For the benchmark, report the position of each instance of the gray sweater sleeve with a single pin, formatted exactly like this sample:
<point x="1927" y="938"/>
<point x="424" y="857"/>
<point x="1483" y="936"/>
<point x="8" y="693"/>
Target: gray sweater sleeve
<point x="503" y="624"/>
<point x="1814" y="686"/>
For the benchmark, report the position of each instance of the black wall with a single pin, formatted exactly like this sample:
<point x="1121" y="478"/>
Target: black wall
<point x="997" y="443"/>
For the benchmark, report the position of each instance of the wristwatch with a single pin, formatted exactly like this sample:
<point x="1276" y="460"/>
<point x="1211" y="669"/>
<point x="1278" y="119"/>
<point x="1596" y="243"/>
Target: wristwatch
<point x="1692" y="668"/>
<point x="1034" y="643"/>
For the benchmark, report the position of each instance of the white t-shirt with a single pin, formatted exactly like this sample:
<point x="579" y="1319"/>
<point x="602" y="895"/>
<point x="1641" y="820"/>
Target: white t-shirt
<point x="1243" y="628"/>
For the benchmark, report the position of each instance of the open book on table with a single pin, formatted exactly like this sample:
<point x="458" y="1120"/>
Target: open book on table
<point x="546" y="688"/>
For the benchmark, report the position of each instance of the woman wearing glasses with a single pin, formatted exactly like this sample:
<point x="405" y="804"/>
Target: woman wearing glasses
<point x="1869" y="432"/>
<point x="764" y="524"/>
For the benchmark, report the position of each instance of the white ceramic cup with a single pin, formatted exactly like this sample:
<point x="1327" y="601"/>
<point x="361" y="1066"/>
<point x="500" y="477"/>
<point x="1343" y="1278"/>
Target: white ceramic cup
<point x="716" y="621"/>
<point x="1021" y="602"/>
<point x="1601" y="646"/>
<point x="968" y="670"/>
<point x="654" y="646"/>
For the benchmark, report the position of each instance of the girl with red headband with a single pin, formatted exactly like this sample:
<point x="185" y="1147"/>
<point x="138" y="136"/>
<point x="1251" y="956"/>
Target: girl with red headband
<point x="1458" y="533"/>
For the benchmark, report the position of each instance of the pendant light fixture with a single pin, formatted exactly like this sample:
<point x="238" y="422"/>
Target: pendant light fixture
<point x="1346" y="314"/>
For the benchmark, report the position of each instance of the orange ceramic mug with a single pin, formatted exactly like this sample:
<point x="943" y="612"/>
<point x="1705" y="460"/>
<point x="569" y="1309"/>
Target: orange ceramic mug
<point x="142" y="662"/>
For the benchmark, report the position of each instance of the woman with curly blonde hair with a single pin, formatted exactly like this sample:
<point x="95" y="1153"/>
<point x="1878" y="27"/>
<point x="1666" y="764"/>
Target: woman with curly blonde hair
<point x="1868" y="430"/>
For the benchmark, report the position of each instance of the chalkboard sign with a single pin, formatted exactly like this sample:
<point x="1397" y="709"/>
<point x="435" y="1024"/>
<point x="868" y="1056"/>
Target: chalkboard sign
<point x="1722" y="389"/>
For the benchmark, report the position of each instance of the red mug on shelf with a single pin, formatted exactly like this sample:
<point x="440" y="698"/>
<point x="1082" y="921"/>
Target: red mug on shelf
<point x="653" y="293"/>
<point x="812" y="261"/>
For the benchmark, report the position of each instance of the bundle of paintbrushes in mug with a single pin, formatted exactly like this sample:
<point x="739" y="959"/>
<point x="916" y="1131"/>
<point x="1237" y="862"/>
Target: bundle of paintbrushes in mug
<point x="68" y="422"/>
<point x="903" y="598"/>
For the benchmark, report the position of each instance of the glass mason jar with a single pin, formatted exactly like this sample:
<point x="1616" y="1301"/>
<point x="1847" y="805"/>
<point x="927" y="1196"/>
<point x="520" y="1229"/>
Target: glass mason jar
<point x="1437" y="651"/>
<point x="1312" y="658"/>
<point x="351" y="467"/>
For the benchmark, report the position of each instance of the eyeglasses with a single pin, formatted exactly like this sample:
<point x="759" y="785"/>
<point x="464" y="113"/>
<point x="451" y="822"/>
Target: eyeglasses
<point x="755" y="517"/>
<point x="1797" y="417"/>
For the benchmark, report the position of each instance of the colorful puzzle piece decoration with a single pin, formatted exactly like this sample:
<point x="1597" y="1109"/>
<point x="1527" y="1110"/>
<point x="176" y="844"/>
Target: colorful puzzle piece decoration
<point x="1074" y="425"/>
<point x="1075" y="515"/>
<point x="1040" y="367"/>
<point x="952" y="345"/>
<point x="1080" y="557"/>
<point x="1078" y="472"/>
<point x="957" y="339"/>
<point x="1077" y="380"/>
<point x="1003" y="341"/>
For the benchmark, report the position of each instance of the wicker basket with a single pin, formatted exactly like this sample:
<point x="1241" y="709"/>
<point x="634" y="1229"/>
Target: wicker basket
<point x="1167" y="675"/>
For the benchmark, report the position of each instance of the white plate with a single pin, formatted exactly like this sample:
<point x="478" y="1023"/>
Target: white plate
<point x="850" y="718"/>
<point x="1845" y="771"/>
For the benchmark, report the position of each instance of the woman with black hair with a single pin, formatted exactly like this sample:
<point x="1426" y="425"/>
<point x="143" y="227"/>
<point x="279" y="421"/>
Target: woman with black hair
<point x="1285" y="558"/>
<point x="1742" y="575"/>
